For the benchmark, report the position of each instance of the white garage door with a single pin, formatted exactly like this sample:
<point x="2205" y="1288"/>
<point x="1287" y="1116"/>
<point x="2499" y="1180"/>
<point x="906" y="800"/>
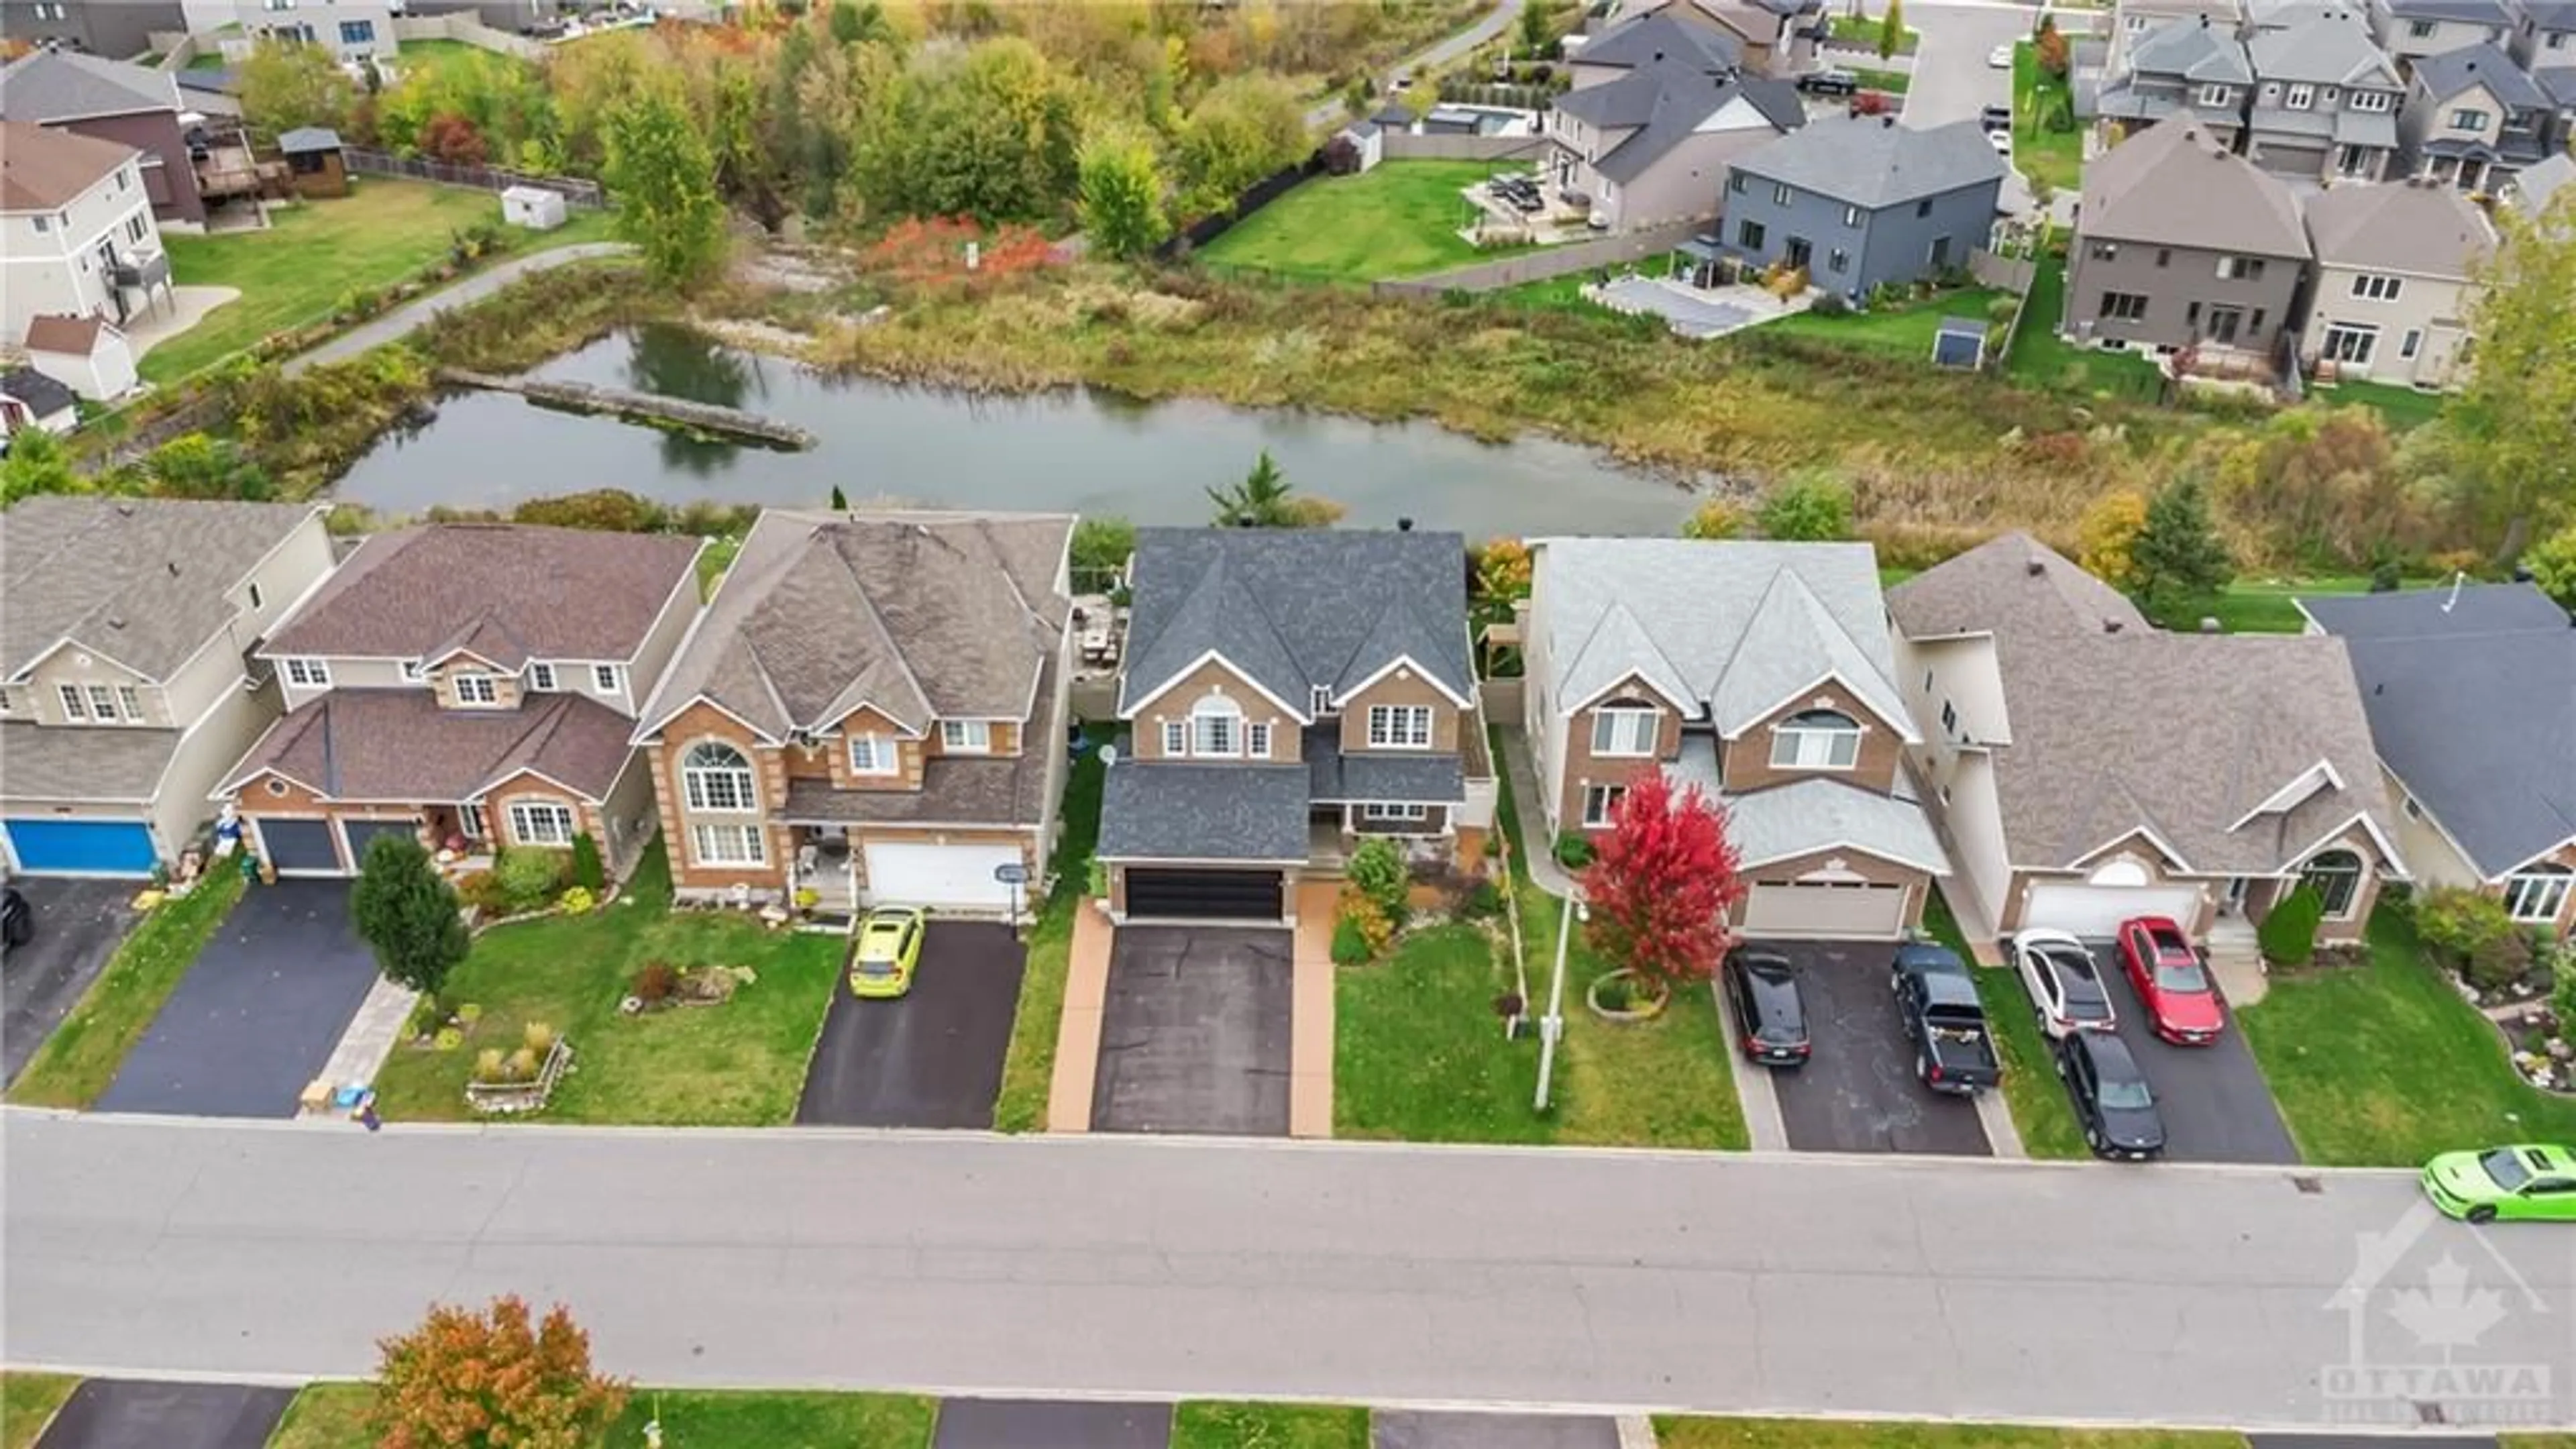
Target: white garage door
<point x="1819" y="909"/>
<point x="940" y="875"/>
<point x="2096" y="911"/>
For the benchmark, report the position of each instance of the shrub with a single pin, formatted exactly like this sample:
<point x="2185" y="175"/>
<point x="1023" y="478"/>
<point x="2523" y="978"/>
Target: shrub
<point x="587" y="870"/>
<point x="1573" y="849"/>
<point x="537" y="1037"/>
<point x="488" y="1064"/>
<point x="1350" y="945"/>
<point x="577" y="901"/>
<point x="2552" y="562"/>
<point x="1103" y="543"/>
<point x="1714" y="518"/>
<point x="530" y="876"/>
<point x="481" y="889"/>
<point x="1484" y="901"/>
<point x="1367" y="922"/>
<point x="520" y="1067"/>
<point x="427" y="1014"/>
<point x="654" y="984"/>
<point x="2288" y="934"/>
<point x="1807" y="510"/>
<point x="407" y="915"/>
<point x="2471" y="934"/>
<point x="607" y="510"/>
<point x="1376" y="870"/>
<point x="1831" y="304"/>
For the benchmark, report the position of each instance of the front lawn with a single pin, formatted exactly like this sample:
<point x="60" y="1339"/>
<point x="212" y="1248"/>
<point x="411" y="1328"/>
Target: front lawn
<point x="78" y="1061"/>
<point x="334" y="1416"/>
<point x="2040" y="1112"/>
<point x="27" y="1401"/>
<point x="738" y="1064"/>
<point x="1904" y="331"/>
<point x="2384" y="1065"/>
<point x="1028" y="1071"/>
<point x="1418" y="1051"/>
<point x="2040" y="153"/>
<point x="1399" y="220"/>
<point x="1211" y="1424"/>
<point x="1695" y="1433"/>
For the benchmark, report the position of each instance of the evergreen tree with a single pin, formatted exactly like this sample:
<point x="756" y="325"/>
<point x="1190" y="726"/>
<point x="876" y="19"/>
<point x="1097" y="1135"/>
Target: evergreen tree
<point x="407" y="915"/>
<point x="2177" y="562"/>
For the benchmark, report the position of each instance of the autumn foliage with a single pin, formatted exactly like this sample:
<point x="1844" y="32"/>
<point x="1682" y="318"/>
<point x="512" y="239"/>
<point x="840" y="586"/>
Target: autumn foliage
<point x="468" y="1380"/>
<point x="931" y="255"/>
<point x="1661" y="883"/>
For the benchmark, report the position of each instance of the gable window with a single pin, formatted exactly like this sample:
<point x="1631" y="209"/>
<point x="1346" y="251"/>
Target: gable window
<point x="541" y="676"/>
<point x="1818" y="739"/>
<point x="607" y="678"/>
<point x="73" y="708"/>
<point x="2468" y="120"/>
<point x="715" y="776"/>
<point x="2124" y="307"/>
<point x="1256" y="740"/>
<point x="2537" y="895"/>
<point x="1216" y="727"/>
<point x="1176" y="738"/>
<point x="873" y="755"/>
<point x="2335" y="875"/>
<point x="102" y="703"/>
<point x="1319" y="700"/>
<point x="1598" y="802"/>
<point x="2371" y="101"/>
<point x="1624" y="731"/>
<point x="474" y="689"/>
<point x="1399" y="726"/>
<point x="966" y="736"/>
<point x="2301" y="98"/>
<point x="2377" y="289"/>
<point x="308" y="673"/>
<point x="729" y="844"/>
<point x="540" y="822"/>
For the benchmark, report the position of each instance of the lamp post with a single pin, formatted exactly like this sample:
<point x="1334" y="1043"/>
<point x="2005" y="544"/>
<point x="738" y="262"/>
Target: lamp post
<point x="1551" y="1027"/>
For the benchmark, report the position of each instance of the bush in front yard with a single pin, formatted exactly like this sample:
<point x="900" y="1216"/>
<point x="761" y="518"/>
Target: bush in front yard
<point x="2288" y="935"/>
<point x="1573" y="851"/>
<point x="407" y="915"/>
<point x="1360" y="926"/>
<point x="1350" y="945"/>
<point x="1376" y="869"/>
<point x="587" y="871"/>
<point x="529" y="876"/>
<point x="2471" y="934"/>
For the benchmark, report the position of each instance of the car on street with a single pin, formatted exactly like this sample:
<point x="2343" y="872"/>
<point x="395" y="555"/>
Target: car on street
<point x="1937" y="999"/>
<point x="2001" y="57"/>
<point x="1995" y="118"/>
<point x="1831" y="81"/>
<point x="17" y="918"/>
<point x="2534" y="1181"/>
<point x="2113" y="1103"/>
<point x="2066" y="986"/>
<point x="888" y="948"/>
<point x="1763" y="988"/>
<point x="2182" y="1003"/>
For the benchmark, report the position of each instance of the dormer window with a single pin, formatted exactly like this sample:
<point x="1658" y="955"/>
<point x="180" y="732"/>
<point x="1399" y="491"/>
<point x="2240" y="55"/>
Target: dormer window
<point x="873" y="755"/>
<point x="1216" y="727"/>
<point x="966" y="736"/>
<point x="541" y="676"/>
<point x="1319" y="701"/>
<point x="1624" y="731"/>
<point x="1818" y="739"/>
<point x="308" y="673"/>
<point x="475" y="690"/>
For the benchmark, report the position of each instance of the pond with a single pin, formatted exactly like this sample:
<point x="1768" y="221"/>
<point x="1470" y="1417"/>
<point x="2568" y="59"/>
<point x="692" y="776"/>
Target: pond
<point x="1085" y="451"/>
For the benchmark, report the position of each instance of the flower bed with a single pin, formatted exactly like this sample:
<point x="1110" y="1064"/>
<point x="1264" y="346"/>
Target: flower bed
<point x="1625" y="996"/>
<point x="509" y="1096"/>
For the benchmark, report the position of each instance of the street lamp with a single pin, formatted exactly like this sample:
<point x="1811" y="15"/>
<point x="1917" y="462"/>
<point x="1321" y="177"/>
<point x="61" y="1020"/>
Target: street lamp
<point x="1551" y="1027"/>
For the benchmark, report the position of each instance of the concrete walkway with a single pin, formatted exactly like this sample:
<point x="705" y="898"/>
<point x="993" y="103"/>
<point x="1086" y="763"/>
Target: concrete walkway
<point x="1077" y="1038"/>
<point x="404" y="320"/>
<point x="1310" y="1029"/>
<point x="1540" y="860"/>
<point x="372" y="1036"/>
<point x="187" y="307"/>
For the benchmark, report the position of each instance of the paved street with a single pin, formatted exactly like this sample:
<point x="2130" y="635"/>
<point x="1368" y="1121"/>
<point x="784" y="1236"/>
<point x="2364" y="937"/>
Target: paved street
<point x="1505" y="14"/>
<point x="1952" y="81"/>
<point x="1175" y="1267"/>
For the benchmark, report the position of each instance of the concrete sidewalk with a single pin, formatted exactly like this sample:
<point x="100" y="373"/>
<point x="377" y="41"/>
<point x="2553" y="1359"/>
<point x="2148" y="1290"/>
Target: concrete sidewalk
<point x="1537" y="858"/>
<point x="1077" y="1040"/>
<point x="372" y="1036"/>
<point x="1310" y="1031"/>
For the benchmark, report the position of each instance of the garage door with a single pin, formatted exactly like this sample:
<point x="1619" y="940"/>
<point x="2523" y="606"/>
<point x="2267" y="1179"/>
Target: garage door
<point x="939" y="875"/>
<point x="81" y="847"/>
<point x="300" y="847"/>
<point x="1874" y="912"/>
<point x="361" y="833"/>
<point x="1227" y="895"/>
<point x="2095" y="912"/>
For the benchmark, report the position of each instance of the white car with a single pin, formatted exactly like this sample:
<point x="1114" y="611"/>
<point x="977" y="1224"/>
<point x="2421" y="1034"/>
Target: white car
<point x="2066" y="986"/>
<point x="2001" y="141"/>
<point x="2001" y="56"/>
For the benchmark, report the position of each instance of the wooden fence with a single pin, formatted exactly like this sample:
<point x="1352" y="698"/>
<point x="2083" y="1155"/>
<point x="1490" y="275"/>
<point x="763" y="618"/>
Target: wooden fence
<point x="574" y="190"/>
<point x="1405" y="146"/>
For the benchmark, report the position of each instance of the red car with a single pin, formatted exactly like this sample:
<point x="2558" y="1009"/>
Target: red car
<point x="2181" y="1003"/>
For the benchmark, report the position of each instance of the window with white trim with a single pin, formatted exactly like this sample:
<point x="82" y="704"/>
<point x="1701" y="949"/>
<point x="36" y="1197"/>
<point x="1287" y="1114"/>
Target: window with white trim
<point x="2215" y="95"/>
<point x="308" y="673"/>
<point x="1176" y="738"/>
<point x="1817" y="739"/>
<point x="607" y="678"/>
<point x="2240" y="269"/>
<point x="1624" y="730"/>
<point x="2370" y="288"/>
<point x="129" y="702"/>
<point x="470" y="822"/>
<point x="2345" y="342"/>
<point x="2537" y="895"/>
<point x="2412" y="343"/>
<point x="1216" y="727"/>
<point x="966" y="736"/>
<point x="541" y="822"/>
<point x="2371" y="101"/>
<point x="541" y="676"/>
<point x="1319" y="700"/>
<point x="2301" y="98"/>
<point x="102" y="703"/>
<point x="474" y="689"/>
<point x="729" y="844"/>
<point x="715" y="776"/>
<point x="1381" y="814"/>
<point x="1256" y="740"/>
<point x="2335" y="875"/>
<point x="1399" y="726"/>
<point x="73" y="708"/>
<point x="873" y="755"/>
<point x="1598" y="802"/>
<point x="2468" y="120"/>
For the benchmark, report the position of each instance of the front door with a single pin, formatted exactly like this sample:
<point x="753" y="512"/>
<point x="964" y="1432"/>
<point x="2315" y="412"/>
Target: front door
<point x="2224" y="322"/>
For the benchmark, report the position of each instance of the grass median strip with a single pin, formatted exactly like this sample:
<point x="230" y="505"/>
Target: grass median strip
<point x="78" y="1061"/>
<point x="28" y="1402"/>
<point x="1028" y="1070"/>
<point x="334" y="1416"/>
<point x="1697" y="1433"/>
<point x="2037" y="1102"/>
<point x="1213" y="1424"/>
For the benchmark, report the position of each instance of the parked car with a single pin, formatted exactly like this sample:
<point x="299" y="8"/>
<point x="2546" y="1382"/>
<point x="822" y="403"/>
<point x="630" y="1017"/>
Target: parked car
<point x="2113" y="1103"/>
<point x="1996" y="118"/>
<point x="1953" y="1051"/>
<point x="2181" y="1002"/>
<point x="2001" y="57"/>
<point x="17" y="918"/>
<point x="2534" y="1180"/>
<point x="1763" y="988"/>
<point x="888" y="949"/>
<point x="2066" y="987"/>
<point x="1831" y="81"/>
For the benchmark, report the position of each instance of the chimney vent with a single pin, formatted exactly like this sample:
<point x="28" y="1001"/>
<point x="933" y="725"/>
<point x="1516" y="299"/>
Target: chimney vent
<point x="2110" y="626"/>
<point x="2034" y="568"/>
<point x="1404" y="525"/>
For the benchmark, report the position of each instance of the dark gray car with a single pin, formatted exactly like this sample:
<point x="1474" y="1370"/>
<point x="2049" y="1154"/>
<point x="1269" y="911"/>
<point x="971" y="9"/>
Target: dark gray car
<point x="2113" y="1103"/>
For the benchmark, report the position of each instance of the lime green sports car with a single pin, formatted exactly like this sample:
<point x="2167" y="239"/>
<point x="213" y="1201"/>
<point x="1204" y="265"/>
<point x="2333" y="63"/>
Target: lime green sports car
<point x="2533" y="1180"/>
<point x="889" y="947"/>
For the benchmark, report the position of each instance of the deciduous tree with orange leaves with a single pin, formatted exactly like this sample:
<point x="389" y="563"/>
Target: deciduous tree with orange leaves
<point x="469" y="1380"/>
<point x="1661" y="883"/>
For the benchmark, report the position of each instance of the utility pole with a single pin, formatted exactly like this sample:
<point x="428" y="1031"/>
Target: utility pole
<point x="1551" y="1027"/>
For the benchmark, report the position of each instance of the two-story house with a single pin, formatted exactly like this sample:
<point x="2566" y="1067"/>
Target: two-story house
<point x="2325" y="101"/>
<point x="118" y="29"/>
<point x="1860" y="201"/>
<point x="351" y="30"/>
<point x="472" y="685"/>
<point x="1645" y="41"/>
<point x="1763" y="674"/>
<point x="77" y="245"/>
<point x="2179" y="242"/>
<point x="872" y="709"/>
<point x="2473" y="118"/>
<point x="2544" y="34"/>
<point x="2133" y="21"/>
<point x="127" y="633"/>
<point x="1652" y="144"/>
<point x="111" y="100"/>
<point x="2395" y="289"/>
<point x="1774" y="37"/>
<point x="2194" y="69"/>
<point x="2410" y="30"/>
<point x="1285" y="693"/>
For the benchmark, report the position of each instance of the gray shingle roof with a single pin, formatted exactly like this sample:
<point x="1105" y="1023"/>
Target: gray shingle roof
<point x="1164" y="811"/>
<point x="1801" y="818"/>
<point x="305" y="139"/>
<point x="43" y="396"/>
<point x="1682" y="109"/>
<point x="2534" y="186"/>
<point x="2332" y="49"/>
<point x="2474" y="12"/>
<point x="1336" y="778"/>
<point x="62" y="85"/>
<point x="139" y="580"/>
<point x="2429" y="230"/>
<point x="2559" y="81"/>
<point x="2551" y="14"/>
<point x="100" y="764"/>
<point x="1658" y="37"/>
<point x="2175" y="184"/>
<point x="2195" y="50"/>
<point x="2454" y="71"/>
<point x="1872" y="162"/>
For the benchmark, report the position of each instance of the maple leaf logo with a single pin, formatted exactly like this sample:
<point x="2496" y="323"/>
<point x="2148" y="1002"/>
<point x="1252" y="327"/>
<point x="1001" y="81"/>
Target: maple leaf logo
<point x="2446" y="1313"/>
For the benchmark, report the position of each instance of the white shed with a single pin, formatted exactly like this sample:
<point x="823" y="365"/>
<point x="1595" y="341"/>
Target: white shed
<point x="86" y="354"/>
<point x="533" y="207"/>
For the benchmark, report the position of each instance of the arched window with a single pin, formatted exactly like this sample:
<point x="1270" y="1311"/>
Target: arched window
<point x="2536" y="896"/>
<point x="1817" y="739"/>
<point x="2335" y="875"/>
<point x="717" y="777"/>
<point x="1216" y="726"/>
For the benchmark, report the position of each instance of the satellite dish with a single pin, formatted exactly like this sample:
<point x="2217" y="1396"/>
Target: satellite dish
<point x="1109" y="754"/>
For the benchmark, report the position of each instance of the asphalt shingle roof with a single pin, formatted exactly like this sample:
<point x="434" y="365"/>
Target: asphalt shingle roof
<point x="1160" y="810"/>
<point x="2454" y="71"/>
<point x="2195" y="50"/>
<point x="2176" y="184"/>
<point x="139" y="580"/>
<point x="1682" y="108"/>
<point x="401" y="746"/>
<point x="2474" y="12"/>
<point x="1797" y="819"/>
<point x="99" y="764"/>
<point x="2428" y="230"/>
<point x="1873" y="162"/>
<point x="43" y="396"/>
<point x="2332" y="49"/>
<point x="1650" y="39"/>
<point x="62" y="85"/>
<point x="1336" y="778"/>
<point x="41" y="169"/>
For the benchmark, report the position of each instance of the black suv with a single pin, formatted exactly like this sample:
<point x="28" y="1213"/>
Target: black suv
<point x="1763" y="988"/>
<point x="1831" y="82"/>
<point x="2113" y="1103"/>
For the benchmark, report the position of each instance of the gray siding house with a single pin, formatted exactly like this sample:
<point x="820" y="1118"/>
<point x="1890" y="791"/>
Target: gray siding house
<point x="2410" y="30"/>
<point x="2195" y="68"/>
<point x="2325" y="101"/>
<point x="117" y="29"/>
<point x="1653" y="144"/>
<point x="1860" y="200"/>
<point x="2544" y="34"/>
<point x="2179" y="242"/>
<point x="2474" y="118"/>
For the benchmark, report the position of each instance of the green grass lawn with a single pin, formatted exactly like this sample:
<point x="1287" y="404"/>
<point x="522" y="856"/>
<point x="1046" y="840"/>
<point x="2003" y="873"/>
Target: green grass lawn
<point x="1894" y="82"/>
<point x="2401" y="407"/>
<point x="1863" y="30"/>
<point x="334" y="1416"/>
<point x="2267" y="606"/>
<point x="27" y="1401"/>
<point x="2042" y="359"/>
<point x="738" y="1064"/>
<point x="1696" y="1433"/>
<point x="1901" y="331"/>
<point x="2056" y="157"/>
<point x="2384" y="1065"/>
<point x="2032" y="1094"/>
<point x="1028" y="1071"/>
<point x="1399" y="220"/>
<point x="434" y="60"/>
<point x="1418" y="1053"/>
<point x="712" y="563"/>
<point x="1211" y="1424"/>
<point x="78" y="1061"/>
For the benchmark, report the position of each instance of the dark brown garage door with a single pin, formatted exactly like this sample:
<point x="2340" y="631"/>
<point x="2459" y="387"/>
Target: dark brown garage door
<point x="1225" y="895"/>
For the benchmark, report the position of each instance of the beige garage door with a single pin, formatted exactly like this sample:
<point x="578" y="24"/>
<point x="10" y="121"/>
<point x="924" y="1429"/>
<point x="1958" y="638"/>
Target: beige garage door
<point x="1816" y="908"/>
<point x="2095" y="912"/>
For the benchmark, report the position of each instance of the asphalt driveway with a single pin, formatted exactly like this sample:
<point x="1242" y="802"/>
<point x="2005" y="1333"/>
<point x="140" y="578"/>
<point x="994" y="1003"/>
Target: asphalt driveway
<point x="1858" y="1092"/>
<point x="1413" y="1429"/>
<point x="77" y="923"/>
<point x="143" y="1414"/>
<point x="256" y="1017"/>
<point x="2216" y="1105"/>
<point x="931" y="1057"/>
<point x="1194" y="1032"/>
<point x="1050" y="1424"/>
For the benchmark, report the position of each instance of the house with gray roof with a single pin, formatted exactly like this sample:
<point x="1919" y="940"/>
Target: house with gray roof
<point x="2395" y="282"/>
<point x="1651" y="144"/>
<point x="117" y="29"/>
<point x="2087" y="767"/>
<point x="871" y="710"/>
<point x="1286" y="693"/>
<point x="2410" y="30"/>
<point x="1862" y="202"/>
<point x="2133" y="21"/>
<point x="1761" y="674"/>
<point x="2473" y="118"/>
<point x="2544" y="34"/>
<point x="2180" y="242"/>
<point x="1774" y="37"/>
<point x="2192" y="68"/>
<point x="1652" y="40"/>
<point x="113" y="101"/>
<point x="129" y="677"/>
<point x="2325" y="99"/>
<point x="2537" y="187"/>
<point x="2471" y="695"/>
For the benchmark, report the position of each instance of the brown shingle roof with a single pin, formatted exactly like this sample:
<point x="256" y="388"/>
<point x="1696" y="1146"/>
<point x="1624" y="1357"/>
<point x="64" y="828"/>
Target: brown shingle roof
<point x="140" y="580"/>
<point x="71" y="336"/>
<point x="41" y="170"/>
<point x="2432" y="230"/>
<point x="399" y="746"/>
<point x="2176" y="184"/>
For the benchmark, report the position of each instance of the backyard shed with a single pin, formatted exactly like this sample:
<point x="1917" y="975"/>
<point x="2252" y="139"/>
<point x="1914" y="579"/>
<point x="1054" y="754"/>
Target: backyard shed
<point x="314" y="162"/>
<point x="533" y="207"/>
<point x="1961" y="343"/>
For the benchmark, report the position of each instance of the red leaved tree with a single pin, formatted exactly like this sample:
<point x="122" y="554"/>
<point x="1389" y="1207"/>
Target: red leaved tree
<point x="468" y="1380"/>
<point x="1661" y="883"/>
<point x="453" y="139"/>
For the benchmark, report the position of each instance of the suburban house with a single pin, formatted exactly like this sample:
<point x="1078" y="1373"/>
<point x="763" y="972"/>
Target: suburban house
<point x="29" y="399"/>
<point x="120" y="29"/>
<point x="1860" y="201"/>
<point x="110" y="100"/>
<point x="872" y="709"/>
<point x="2558" y="82"/>
<point x="1652" y="145"/>
<point x="2410" y="30"/>
<point x="2088" y="767"/>
<point x="471" y="685"/>
<point x="129" y="686"/>
<point x="2134" y="20"/>
<point x="1763" y="674"/>
<point x="1649" y="41"/>
<point x="514" y="16"/>
<point x="2325" y="101"/>
<point x="77" y="239"/>
<point x="2532" y="191"/>
<point x="1773" y="36"/>
<point x="2393" y="290"/>
<point x="2474" y="118"/>
<point x="2471" y="694"/>
<point x="2181" y="243"/>
<point x="2544" y="33"/>
<point x="2192" y="69"/>
<point x="350" y="29"/>
<point x="1285" y="693"/>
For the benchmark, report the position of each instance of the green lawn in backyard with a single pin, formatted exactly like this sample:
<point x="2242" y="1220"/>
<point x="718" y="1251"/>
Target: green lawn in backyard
<point x="1028" y="1071"/>
<point x="1697" y="1433"/>
<point x="2384" y="1065"/>
<point x="27" y="1401"/>
<point x="1901" y="331"/>
<point x="1212" y="1424"/>
<point x="78" y="1061"/>
<point x="712" y="563"/>
<point x="738" y="1064"/>
<point x="2266" y="606"/>
<point x="1864" y="30"/>
<point x="2032" y="1093"/>
<point x="2056" y="157"/>
<point x="2042" y="359"/>
<point x="1418" y="1053"/>
<point x="334" y="1416"/>
<point x="436" y="59"/>
<point x="1398" y="220"/>
<point x="2401" y="407"/>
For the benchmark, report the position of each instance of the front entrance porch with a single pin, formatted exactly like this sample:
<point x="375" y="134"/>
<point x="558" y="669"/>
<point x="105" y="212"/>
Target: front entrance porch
<point x="825" y="862"/>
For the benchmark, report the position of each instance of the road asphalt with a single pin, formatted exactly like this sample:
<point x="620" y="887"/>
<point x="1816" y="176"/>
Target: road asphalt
<point x="1439" y="53"/>
<point x="1165" y="1268"/>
